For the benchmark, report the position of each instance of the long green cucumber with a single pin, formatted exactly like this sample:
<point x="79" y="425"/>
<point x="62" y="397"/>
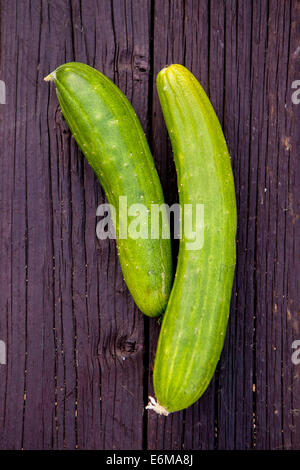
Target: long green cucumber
<point x="110" y="135"/>
<point x="195" y="321"/>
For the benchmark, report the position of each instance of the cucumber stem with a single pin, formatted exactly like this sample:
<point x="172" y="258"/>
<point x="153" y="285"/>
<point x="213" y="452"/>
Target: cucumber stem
<point x="51" y="77"/>
<point x="155" y="406"/>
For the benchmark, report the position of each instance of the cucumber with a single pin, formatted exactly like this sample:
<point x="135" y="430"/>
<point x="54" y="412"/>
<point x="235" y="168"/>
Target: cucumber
<point x="109" y="133"/>
<point x="194" y="324"/>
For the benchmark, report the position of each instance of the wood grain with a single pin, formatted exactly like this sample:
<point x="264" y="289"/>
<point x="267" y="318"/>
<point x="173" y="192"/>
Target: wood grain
<point x="244" y="55"/>
<point x="75" y="339"/>
<point x="79" y="353"/>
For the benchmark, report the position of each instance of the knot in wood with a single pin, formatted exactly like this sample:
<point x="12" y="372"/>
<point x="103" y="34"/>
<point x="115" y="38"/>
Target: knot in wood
<point x="127" y="347"/>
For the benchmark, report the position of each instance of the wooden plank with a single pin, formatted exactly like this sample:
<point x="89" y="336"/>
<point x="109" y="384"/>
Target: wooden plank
<point x="277" y="276"/>
<point x="235" y="400"/>
<point x="79" y="354"/>
<point x="74" y="377"/>
<point x="180" y="36"/>
<point x="242" y="52"/>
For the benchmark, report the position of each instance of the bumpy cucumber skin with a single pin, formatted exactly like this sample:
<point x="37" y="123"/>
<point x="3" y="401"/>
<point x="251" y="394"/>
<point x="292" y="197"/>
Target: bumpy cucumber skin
<point x="195" y="321"/>
<point x="110" y="135"/>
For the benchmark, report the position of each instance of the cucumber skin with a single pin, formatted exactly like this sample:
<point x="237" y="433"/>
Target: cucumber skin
<point x="109" y="133"/>
<point x="195" y="321"/>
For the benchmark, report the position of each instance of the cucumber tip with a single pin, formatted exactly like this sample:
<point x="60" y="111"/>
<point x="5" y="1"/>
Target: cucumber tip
<point x="51" y="77"/>
<point x="155" y="406"/>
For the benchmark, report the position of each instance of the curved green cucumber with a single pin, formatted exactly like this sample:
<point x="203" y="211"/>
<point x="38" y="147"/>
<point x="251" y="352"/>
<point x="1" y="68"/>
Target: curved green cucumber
<point x="110" y="135"/>
<point x="195" y="321"/>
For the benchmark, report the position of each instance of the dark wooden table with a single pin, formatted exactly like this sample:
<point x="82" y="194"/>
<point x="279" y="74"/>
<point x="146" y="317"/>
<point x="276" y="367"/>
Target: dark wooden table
<point x="79" y="353"/>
